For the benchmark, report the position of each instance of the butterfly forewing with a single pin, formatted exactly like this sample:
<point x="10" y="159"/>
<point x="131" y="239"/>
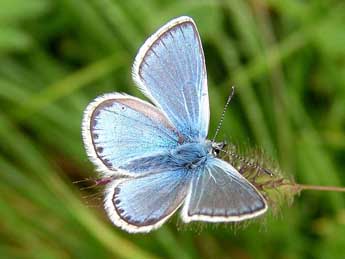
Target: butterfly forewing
<point x="170" y="70"/>
<point x="219" y="193"/>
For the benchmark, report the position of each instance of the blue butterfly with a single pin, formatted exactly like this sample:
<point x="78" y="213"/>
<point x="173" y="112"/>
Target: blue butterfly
<point x="157" y="155"/>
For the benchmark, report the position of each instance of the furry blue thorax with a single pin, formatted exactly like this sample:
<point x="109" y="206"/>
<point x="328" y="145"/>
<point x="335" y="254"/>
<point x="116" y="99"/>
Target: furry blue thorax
<point x="191" y="155"/>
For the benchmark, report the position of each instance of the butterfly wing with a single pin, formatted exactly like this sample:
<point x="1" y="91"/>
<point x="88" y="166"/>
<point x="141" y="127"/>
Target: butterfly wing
<point x="145" y="203"/>
<point x="220" y="194"/>
<point x="119" y="129"/>
<point x="170" y="69"/>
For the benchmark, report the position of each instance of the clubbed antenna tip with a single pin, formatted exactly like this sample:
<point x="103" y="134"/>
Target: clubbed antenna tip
<point x="223" y="113"/>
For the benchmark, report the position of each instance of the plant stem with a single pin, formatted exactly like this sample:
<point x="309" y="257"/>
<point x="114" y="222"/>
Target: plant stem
<point x="303" y="187"/>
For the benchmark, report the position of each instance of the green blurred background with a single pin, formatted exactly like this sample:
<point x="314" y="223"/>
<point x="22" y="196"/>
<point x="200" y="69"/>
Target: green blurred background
<point x="287" y="61"/>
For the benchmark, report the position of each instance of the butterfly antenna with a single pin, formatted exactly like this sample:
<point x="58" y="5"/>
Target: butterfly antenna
<point x="223" y="113"/>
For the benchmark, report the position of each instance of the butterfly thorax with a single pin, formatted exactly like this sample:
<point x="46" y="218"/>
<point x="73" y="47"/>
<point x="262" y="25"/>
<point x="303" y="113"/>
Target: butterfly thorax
<point x="191" y="155"/>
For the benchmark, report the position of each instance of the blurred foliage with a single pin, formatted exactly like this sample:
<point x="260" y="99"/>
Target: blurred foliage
<point x="287" y="61"/>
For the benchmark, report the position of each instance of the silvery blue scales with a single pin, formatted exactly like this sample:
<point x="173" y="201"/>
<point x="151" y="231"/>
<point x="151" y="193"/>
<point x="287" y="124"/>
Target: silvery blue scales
<point x="157" y="155"/>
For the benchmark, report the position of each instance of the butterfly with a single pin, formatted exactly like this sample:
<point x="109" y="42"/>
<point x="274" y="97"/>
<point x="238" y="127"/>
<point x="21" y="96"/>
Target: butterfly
<point x="157" y="156"/>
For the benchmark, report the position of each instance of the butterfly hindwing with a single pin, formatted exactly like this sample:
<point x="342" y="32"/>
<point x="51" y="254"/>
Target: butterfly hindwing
<point x="144" y="203"/>
<point x="170" y="70"/>
<point x="118" y="129"/>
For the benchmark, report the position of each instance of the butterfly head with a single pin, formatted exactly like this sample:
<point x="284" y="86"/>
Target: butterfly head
<point x="217" y="147"/>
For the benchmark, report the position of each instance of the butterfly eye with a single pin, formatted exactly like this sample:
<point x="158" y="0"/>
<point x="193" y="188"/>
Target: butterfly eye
<point x="123" y="108"/>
